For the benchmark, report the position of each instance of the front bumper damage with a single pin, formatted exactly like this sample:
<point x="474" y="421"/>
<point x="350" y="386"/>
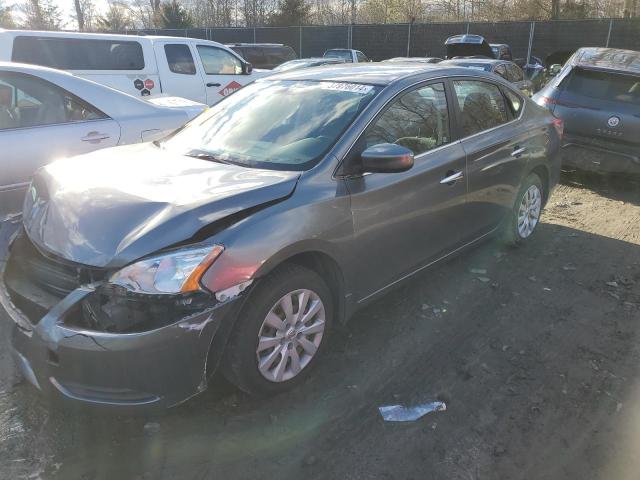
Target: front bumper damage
<point x="159" y="367"/>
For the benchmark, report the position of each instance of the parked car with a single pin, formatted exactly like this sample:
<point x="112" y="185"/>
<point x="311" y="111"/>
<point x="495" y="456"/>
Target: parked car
<point x="501" y="51"/>
<point x="264" y="55"/>
<point x="507" y="70"/>
<point x="461" y="46"/>
<point x="347" y="54"/>
<point x="199" y="70"/>
<point x="534" y="71"/>
<point x="47" y="114"/>
<point x="244" y="238"/>
<point x="306" y="63"/>
<point x="414" y="59"/>
<point x="597" y="95"/>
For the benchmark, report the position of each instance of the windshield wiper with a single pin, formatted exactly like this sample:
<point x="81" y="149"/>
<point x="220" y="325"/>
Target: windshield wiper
<point x="209" y="157"/>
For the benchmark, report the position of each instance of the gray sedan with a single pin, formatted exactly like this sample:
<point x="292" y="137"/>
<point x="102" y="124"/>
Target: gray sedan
<point x="506" y="69"/>
<point x="240" y="241"/>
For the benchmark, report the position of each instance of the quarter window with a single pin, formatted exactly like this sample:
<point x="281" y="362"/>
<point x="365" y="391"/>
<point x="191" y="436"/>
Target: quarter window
<point x="418" y="120"/>
<point x="361" y="57"/>
<point x="180" y="59"/>
<point x="28" y="101"/>
<point x="219" y="62"/>
<point x="502" y="71"/>
<point x="514" y="101"/>
<point x="482" y="106"/>
<point x="515" y="73"/>
<point x="78" y="54"/>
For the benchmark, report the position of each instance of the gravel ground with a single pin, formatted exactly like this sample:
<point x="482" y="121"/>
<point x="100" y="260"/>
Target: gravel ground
<point x="537" y="360"/>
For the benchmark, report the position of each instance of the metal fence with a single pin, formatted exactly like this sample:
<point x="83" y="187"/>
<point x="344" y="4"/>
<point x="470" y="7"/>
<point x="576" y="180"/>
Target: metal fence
<point x="379" y="42"/>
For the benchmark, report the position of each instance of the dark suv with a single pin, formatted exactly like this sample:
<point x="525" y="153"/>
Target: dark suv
<point x="597" y="94"/>
<point x="264" y="55"/>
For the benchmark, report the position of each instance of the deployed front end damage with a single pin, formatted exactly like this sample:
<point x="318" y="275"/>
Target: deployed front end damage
<point x="81" y="337"/>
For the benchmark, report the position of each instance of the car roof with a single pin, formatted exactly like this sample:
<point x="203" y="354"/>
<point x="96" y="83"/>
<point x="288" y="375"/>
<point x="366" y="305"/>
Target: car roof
<point x="608" y="59"/>
<point x="101" y="36"/>
<point x="372" y="73"/>
<point x="463" y="61"/>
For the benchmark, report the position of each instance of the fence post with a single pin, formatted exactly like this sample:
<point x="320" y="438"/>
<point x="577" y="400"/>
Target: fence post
<point x="609" y="32"/>
<point x="300" y="43"/>
<point x="467" y="28"/>
<point x="254" y="34"/>
<point x="409" y="39"/>
<point x="350" y="36"/>
<point x="532" y="29"/>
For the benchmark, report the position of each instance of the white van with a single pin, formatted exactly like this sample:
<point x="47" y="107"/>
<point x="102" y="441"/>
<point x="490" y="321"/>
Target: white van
<point x="200" y="70"/>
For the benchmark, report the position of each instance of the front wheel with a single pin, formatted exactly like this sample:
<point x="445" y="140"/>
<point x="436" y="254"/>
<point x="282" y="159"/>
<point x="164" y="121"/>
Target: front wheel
<point x="525" y="215"/>
<point x="280" y="333"/>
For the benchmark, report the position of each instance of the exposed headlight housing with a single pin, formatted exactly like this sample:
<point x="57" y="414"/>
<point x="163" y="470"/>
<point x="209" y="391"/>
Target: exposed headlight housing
<point x="170" y="273"/>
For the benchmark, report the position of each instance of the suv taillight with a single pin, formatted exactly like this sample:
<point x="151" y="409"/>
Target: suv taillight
<point x="558" y="124"/>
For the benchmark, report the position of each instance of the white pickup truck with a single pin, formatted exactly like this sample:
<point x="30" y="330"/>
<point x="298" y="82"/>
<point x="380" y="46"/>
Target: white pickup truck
<point x="200" y="70"/>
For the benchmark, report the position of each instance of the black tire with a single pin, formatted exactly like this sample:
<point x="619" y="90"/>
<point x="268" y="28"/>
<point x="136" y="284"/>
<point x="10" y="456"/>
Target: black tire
<point x="240" y="364"/>
<point x="511" y="235"/>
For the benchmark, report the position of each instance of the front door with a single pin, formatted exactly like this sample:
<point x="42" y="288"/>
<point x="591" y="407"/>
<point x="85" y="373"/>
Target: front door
<point x="405" y="220"/>
<point x="178" y="72"/>
<point x="222" y="72"/>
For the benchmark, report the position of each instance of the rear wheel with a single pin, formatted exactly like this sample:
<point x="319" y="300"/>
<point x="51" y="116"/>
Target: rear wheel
<point x="525" y="215"/>
<point x="280" y="333"/>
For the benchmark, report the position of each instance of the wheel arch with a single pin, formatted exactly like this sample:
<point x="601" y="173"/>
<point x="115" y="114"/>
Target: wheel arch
<point x="543" y="172"/>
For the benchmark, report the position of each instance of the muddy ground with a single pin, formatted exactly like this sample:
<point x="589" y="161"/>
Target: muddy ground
<point x="538" y="361"/>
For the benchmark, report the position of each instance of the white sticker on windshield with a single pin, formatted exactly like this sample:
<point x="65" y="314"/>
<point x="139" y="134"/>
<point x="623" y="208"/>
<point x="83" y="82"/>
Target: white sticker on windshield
<point x="348" y="87"/>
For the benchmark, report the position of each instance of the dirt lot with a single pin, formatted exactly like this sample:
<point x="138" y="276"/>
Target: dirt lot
<point x="537" y="359"/>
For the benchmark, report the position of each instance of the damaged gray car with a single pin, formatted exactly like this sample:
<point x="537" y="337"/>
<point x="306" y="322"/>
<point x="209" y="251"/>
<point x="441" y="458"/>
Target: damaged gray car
<point x="239" y="242"/>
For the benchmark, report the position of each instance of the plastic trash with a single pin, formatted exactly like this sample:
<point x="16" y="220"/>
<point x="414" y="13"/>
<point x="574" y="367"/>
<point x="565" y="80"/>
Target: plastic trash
<point x="400" y="413"/>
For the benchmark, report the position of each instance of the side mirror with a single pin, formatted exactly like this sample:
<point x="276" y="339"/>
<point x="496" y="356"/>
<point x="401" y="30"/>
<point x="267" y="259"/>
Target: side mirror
<point x="247" y="68"/>
<point x="386" y="158"/>
<point x="555" y="69"/>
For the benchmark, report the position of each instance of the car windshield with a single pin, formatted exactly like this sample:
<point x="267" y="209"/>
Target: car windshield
<point x="344" y="54"/>
<point x="280" y="125"/>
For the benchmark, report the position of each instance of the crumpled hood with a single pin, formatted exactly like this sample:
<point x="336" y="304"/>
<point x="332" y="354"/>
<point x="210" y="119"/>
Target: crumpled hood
<point x="113" y="206"/>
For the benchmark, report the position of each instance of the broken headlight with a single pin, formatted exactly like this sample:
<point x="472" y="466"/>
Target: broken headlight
<point x="170" y="273"/>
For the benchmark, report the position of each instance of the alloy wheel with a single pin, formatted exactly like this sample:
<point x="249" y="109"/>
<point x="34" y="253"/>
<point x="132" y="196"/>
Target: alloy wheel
<point x="290" y="335"/>
<point x="529" y="211"/>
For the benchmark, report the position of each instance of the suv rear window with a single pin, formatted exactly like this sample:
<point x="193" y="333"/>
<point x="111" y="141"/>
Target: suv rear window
<point x="604" y="85"/>
<point x="78" y="54"/>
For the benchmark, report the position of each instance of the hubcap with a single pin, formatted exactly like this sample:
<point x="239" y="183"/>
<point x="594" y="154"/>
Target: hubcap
<point x="290" y="335"/>
<point x="529" y="211"/>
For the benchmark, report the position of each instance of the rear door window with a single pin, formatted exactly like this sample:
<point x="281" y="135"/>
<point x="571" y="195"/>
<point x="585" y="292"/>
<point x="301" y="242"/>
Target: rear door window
<point x="28" y="101"/>
<point x="218" y="62"/>
<point x="604" y="86"/>
<point x="481" y="104"/>
<point x="180" y="59"/>
<point x="361" y="57"/>
<point x="418" y="120"/>
<point x="78" y="53"/>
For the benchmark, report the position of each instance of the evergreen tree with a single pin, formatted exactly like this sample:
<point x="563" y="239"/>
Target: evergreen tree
<point x="174" y="15"/>
<point x="290" y="13"/>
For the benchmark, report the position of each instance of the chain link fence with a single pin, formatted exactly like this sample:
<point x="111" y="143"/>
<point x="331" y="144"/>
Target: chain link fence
<point x="379" y="42"/>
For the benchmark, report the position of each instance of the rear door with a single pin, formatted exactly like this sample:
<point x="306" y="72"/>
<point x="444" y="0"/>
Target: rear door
<point x="221" y="70"/>
<point x="404" y="220"/>
<point x="178" y="73"/>
<point x="497" y="148"/>
<point x="601" y="108"/>
<point x="39" y="123"/>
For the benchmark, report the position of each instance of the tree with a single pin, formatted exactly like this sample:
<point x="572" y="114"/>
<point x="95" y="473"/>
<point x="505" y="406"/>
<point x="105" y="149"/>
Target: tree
<point x="84" y="13"/>
<point x="41" y="15"/>
<point x="116" y="18"/>
<point x="6" y="19"/>
<point x="174" y="15"/>
<point x="290" y="12"/>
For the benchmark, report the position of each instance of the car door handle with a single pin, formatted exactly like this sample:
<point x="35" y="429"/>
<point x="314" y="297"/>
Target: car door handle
<point x="210" y="84"/>
<point x="518" y="151"/>
<point x="95" y="137"/>
<point x="451" y="177"/>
